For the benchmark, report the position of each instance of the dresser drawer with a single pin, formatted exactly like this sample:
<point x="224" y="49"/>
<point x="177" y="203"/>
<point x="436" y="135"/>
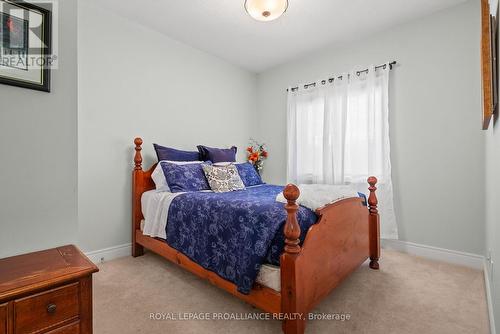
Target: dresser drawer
<point x="46" y="309"/>
<point x="3" y="319"/>
<point x="73" y="328"/>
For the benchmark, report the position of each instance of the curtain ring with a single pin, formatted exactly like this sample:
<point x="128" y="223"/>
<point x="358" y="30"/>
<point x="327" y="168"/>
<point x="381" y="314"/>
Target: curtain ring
<point x="385" y="66"/>
<point x="358" y="73"/>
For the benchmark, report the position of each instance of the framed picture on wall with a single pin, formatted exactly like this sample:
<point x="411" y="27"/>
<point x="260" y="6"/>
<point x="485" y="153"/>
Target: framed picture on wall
<point x="25" y="45"/>
<point x="489" y="69"/>
<point x="494" y="52"/>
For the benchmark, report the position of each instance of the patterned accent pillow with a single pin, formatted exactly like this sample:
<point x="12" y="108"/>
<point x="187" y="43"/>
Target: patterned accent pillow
<point x="159" y="177"/>
<point x="181" y="178"/>
<point x="248" y="174"/>
<point x="223" y="178"/>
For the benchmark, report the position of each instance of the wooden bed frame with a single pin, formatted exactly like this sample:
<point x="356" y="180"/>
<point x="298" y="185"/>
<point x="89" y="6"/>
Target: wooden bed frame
<point x="346" y="234"/>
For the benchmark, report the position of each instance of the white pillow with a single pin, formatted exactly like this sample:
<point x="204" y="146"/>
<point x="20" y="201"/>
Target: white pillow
<point x="159" y="178"/>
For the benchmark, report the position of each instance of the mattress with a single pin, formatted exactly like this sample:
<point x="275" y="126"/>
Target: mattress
<point x="155" y="205"/>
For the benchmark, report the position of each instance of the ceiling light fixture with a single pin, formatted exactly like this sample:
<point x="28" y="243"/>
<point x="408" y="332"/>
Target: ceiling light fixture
<point x="266" y="10"/>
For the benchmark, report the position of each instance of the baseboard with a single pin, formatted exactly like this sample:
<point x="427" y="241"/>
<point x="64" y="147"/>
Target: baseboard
<point x="435" y="253"/>
<point x="109" y="253"/>
<point x="489" y="297"/>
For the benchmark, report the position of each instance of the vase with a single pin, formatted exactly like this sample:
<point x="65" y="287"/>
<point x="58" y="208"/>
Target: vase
<point x="258" y="165"/>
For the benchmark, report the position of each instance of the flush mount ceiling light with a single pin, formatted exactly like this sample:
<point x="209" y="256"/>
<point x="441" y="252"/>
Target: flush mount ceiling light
<point x="266" y="10"/>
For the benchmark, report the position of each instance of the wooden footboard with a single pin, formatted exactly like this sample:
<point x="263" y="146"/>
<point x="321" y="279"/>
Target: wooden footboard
<point x="346" y="234"/>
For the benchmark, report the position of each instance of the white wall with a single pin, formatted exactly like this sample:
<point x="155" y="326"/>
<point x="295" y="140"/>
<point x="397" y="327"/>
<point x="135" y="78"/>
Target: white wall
<point x="493" y="208"/>
<point x="136" y="82"/>
<point x="38" y="143"/>
<point x="493" y="212"/>
<point x="437" y="148"/>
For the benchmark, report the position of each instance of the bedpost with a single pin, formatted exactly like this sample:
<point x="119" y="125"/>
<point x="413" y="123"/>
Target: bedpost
<point x="138" y="156"/>
<point x="291" y="306"/>
<point x="292" y="228"/>
<point x="374" y="222"/>
<point x="137" y="250"/>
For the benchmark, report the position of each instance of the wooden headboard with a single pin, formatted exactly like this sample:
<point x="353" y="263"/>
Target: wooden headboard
<point x="141" y="182"/>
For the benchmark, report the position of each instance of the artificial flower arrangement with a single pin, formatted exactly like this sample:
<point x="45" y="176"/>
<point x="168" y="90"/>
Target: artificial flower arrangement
<point x="256" y="154"/>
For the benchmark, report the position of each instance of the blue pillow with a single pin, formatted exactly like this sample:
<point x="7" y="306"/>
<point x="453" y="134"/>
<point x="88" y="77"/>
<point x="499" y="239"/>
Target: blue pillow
<point x="217" y="154"/>
<point x="248" y="174"/>
<point x="181" y="178"/>
<point x="167" y="153"/>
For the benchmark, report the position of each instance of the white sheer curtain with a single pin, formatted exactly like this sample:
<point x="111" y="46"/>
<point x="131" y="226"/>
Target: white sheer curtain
<point x="338" y="133"/>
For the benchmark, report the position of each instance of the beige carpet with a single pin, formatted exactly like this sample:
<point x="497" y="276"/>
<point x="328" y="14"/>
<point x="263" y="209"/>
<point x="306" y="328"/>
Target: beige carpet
<point x="408" y="295"/>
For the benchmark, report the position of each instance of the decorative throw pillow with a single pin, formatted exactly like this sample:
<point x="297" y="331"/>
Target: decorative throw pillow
<point x="182" y="178"/>
<point x="223" y="178"/>
<point x="168" y="153"/>
<point x="217" y="154"/>
<point x="159" y="177"/>
<point x="248" y="174"/>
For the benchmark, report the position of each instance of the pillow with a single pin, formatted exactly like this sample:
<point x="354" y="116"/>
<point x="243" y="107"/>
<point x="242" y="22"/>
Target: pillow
<point x="248" y="174"/>
<point x="159" y="177"/>
<point x="217" y="154"/>
<point x="223" y="178"/>
<point x="181" y="178"/>
<point x="171" y="154"/>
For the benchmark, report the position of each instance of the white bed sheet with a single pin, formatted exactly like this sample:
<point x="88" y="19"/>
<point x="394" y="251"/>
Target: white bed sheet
<point x="155" y="205"/>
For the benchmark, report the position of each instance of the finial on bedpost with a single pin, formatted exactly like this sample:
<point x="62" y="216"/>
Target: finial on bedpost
<point x="374" y="222"/>
<point x="138" y="156"/>
<point x="372" y="200"/>
<point x="292" y="228"/>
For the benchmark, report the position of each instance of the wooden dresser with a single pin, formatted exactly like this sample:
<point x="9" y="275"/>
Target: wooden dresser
<point x="46" y="292"/>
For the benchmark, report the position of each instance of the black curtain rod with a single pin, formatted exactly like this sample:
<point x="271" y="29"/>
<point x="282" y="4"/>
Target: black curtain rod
<point x="358" y="73"/>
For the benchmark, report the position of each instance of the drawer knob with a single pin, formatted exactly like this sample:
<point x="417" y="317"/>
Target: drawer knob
<point x="51" y="308"/>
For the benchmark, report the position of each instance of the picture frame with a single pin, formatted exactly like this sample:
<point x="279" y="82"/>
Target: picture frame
<point x="489" y="68"/>
<point x="495" y="68"/>
<point x="25" y="45"/>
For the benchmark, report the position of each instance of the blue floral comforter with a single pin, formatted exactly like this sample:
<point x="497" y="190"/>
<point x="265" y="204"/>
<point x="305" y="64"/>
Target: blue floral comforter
<point x="233" y="233"/>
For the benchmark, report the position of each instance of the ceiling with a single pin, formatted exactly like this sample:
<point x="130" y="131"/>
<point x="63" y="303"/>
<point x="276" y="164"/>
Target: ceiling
<point x="224" y="29"/>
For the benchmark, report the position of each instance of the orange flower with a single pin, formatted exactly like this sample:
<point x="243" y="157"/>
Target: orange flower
<point x="254" y="156"/>
<point x="250" y="149"/>
<point x="264" y="154"/>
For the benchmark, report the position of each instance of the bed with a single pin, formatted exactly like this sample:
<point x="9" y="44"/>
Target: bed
<point x="306" y="257"/>
<point x="155" y="206"/>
